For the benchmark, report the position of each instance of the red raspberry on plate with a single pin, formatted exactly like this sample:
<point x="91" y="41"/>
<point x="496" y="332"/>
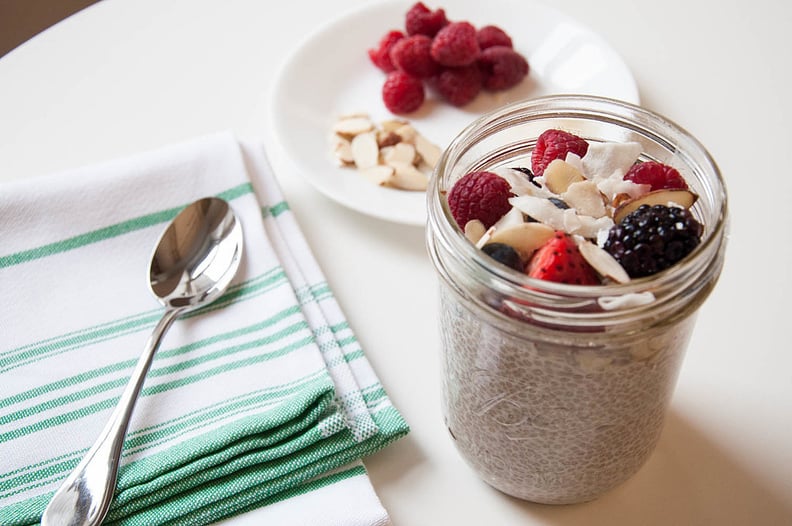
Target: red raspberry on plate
<point x="380" y="56"/>
<point x="402" y="93"/>
<point x="560" y="260"/>
<point x="501" y="68"/>
<point x="458" y="86"/>
<point x="413" y="56"/>
<point x="456" y="45"/>
<point x="420" y="20"/>
<point x="660" y="176"/>
<point x="489" y="36"/>
<point x="479" y="195"/>
<point x="555" y="144"/>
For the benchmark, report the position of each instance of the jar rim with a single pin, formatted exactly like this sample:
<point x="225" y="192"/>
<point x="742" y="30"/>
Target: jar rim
<point x="519" y="285"/>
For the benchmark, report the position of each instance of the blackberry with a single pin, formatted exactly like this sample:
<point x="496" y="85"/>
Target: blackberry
<point x="652" y="238"/>
<point x="503" y="253"/>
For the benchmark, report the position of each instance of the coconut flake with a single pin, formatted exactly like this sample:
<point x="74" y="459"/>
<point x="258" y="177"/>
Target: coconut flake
<point x="626" y="301"/>
<point x="510" y="218"/>
<point x="585" y="197"/>
<point x="575" y="160"/>
<point x="540" y="209"/>
<point x="604" y="158"/>
<point x="566" y="220"/>
<point x="615" y="184"/>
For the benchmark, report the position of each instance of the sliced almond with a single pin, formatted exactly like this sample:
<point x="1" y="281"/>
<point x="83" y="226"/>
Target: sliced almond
<point x="560" y="174"/>
<point x="620" y="199"/>
<point x="391" y="125"/>
<point x="525" y="238"/>
<point x="343" y="151"/>
<point x="406" y="132"/>
<point x="401" y="153"/>
<point x="511" y="218"/>
<point x="679" y="197"/>
<point x="378" y="174"/>
<point x="474" y="230"/>
<point x="387" y="138"/>
<point x="485" y="238"/>
<point x="352" y="126"/>
<point x="428" y="151"/>
<point x="365" y="151"/>
<point x="352" y="114"/>
<point x="407" y="177"/>
<point x="605" y="264"/>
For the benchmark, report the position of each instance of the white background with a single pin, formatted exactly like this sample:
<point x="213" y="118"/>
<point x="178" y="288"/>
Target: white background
<point x="125" y="76"/>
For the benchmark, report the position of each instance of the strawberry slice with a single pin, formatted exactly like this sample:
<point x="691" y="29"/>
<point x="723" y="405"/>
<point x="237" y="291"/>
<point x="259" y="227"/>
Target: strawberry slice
<point x="560" y="260"/>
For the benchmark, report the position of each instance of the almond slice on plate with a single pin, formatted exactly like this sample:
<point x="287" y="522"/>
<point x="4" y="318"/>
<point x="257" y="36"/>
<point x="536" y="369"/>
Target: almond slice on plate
<point x="401" y="153"/>
<point x="365" y="151"/>
<point x="352" y="126"/>
<point x="428" y="151"/>
<point x="407" y="177"/>
<point x="378" y="174"/>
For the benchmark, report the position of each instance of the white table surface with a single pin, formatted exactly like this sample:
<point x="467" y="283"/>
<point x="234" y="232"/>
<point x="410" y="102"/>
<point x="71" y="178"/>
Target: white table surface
<point x="130" y="75"/>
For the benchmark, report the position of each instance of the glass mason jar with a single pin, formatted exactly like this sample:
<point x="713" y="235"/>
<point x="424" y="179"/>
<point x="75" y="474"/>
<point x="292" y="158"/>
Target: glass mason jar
<point x="557" y="393"/>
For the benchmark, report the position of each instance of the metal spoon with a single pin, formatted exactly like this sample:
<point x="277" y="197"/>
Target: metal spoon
<point x="195" y="260"/>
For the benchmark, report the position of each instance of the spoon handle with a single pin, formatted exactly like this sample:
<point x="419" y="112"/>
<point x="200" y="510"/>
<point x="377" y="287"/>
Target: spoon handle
<point x="84" y="497"/>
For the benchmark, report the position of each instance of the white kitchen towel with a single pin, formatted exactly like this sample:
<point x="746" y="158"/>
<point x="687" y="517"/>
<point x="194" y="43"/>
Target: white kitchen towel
<point x="261" y="397"/>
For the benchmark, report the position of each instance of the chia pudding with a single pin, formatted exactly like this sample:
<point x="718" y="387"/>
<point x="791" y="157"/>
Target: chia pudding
<point x="559" y="362"/>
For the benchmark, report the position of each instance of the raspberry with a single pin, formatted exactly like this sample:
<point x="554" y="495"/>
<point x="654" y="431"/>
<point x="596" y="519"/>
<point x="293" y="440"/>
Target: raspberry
<point x="455" y="45"/>
<point x="380" y="55"/>
<point x="419" y="20"/>
<point x="402" y="93"/>
<point x="479" y="195"/>
<point x="412" y="55"/>
<point x="652" y="238"/>
<point x="555" y="144"/>
<point x="501" y="68"/>
<point x="458" y="86"/>
<point x="489" y="36"/>
<point x="658" y="175"/>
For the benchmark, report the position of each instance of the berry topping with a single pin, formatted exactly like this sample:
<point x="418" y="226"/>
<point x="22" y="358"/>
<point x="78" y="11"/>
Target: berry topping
<point x="660" y="176"/>
<point x="503" y="253"/>
<point x="479" y="195"/>
<point x="434" y="44"/>
<point x="456" y="45"/>
<point x="458" y="86"/>
<point x="380" y="56"/>
<point x="489" y="36"/>
<point x="501" y="67"/>
<point x="560" y="260"/>
<point x="652" y="238"/>
<point x="402" y="93"/>
<point x="555" y="144"/>
<point x="412" y="55"/>
<point x="420" y="20"/>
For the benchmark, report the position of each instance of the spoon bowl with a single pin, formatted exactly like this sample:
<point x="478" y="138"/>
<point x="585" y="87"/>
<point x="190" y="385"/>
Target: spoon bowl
<point x="197" y="255"/>
<point x="193" y="263"/>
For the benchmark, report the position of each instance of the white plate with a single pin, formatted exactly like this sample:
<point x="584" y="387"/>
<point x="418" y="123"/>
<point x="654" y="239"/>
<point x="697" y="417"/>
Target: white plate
<point x="330" y="74"/>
